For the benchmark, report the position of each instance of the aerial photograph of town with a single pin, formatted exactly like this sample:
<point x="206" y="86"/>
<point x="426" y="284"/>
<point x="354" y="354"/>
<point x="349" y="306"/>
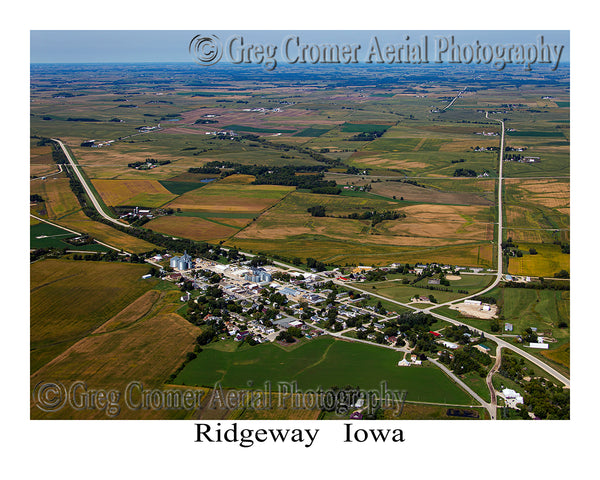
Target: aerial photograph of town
<point x="302" y="226"/>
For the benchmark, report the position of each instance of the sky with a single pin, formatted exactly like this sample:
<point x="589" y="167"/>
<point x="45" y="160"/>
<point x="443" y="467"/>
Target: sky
<point x="133" y="46"/>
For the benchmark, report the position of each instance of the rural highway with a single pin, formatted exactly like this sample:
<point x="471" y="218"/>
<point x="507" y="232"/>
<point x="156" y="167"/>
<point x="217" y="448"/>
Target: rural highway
<point x="455" y="98"/>
<point x="87" y="188"/>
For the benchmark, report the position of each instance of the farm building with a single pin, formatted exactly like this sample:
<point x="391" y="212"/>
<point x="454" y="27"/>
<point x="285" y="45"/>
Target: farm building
<point x="181" y="263"/>
<point x="258" y="275"/>
<point x="541" y="346"/>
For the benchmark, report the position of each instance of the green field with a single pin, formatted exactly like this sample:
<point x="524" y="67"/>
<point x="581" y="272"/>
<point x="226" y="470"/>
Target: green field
<point x="526" y="308"/>
<point x="312" y="132"/>
<point x="43" y="235"/>
<point x="324" y="362"/>
<point x="179" y="188"/>
<point x="363" y="127"/>
<point x="403" y="293"/>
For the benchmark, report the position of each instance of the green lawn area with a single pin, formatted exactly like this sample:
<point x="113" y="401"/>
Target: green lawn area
<point x="43" y="235"/>
<point x="324" y="362"/>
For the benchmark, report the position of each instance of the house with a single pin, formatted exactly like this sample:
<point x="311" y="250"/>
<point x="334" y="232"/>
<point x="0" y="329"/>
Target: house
<point x="508" y="327"/>
<point x="185" y="297"/>
<point x="472" y="302"/>
<point x="240" y="336"/>
<point x="450" y="345"/>
<point x="510" y="394"/>
<point x="404" y="363"/>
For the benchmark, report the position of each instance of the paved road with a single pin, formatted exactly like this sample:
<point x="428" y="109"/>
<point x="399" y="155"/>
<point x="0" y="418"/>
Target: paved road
<point x="455" y="98"/>
<point x="488" y="381"/>
<point x="86" y="187"/>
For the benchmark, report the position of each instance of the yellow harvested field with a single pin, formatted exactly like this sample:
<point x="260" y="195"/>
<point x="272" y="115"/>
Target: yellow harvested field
<point x="42" y="170"/>
<point x="131" y="313"/>
<point x="237" y="179"/>
<point x="424" y="225"/>
<point x="548" y="261"/>
<point x="444" y="221"/>
<point x="70" y="299"/>
<point x="146" y="352"/>
<point x="117" y="192"/>
<point x="550" y="193"/>
<point x="193" y="228"/>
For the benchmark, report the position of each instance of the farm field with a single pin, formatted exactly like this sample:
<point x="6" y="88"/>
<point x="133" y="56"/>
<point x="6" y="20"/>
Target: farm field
<point x="78" y="221"/>
<point x="70" y="299"/>
<point x="41" y="162"/>
<point x="146" y="193"/>
<point x="548" y="261"/>
<point x="146" y="352"/>
<point x="321" y="362"/>
<point x="425" y="227"/>
<point x="43" y="235"/>
<point x="59" y="200"/>
<point x="194" y="228"/>
<point x="233" y="194"/>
